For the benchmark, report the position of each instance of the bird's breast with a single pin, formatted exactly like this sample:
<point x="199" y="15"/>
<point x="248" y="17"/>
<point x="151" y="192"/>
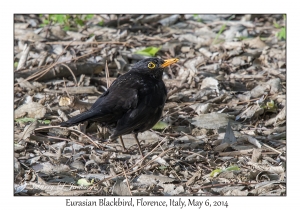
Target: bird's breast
<point x="154" y="94"/>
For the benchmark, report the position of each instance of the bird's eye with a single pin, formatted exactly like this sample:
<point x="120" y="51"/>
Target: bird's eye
<point x="151" y="65"/>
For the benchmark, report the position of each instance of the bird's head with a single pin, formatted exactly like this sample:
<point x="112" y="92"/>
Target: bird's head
<point x="153" y="66"/>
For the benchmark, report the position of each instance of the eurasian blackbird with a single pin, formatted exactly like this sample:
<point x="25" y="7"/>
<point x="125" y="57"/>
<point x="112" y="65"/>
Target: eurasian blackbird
<point x="133" y="103"/>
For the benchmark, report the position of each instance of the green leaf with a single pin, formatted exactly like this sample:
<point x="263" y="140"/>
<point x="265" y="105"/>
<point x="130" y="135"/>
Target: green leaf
<point x="60" y="18"/>
<point x="16" y="64"/>
<point x="28" y="119"/>
<point x="79" y="22"/>
<point x="149" y="51"/>
<point x="25" y="119"/>
<point x="196" y="16"/>
<point x="101" y="23"/>
<point x="219" y="33"/>
<point x="282" y="33"/>
<point x="84" y="182"/>
<point x="53" y="18"/>
<point x="232" y="168"/>
<point x="160" y="125"/>
<point x="162" y="168"/>
<point x="276" y="25"/>
<point x="46" y="22"/>
<point x="88" y="17"/>
<point x="46" y="122"/>
<point x="66" y="28"/>
<point x="217" y="171"/>
<point x="242" y="38"/>
<point x="270" y="104"/>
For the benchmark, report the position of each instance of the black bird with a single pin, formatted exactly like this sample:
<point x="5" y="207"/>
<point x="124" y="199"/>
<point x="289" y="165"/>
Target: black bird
<point x="133" y="103"/>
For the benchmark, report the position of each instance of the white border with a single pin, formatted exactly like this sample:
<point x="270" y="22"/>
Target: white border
<point x="140" y="7"/>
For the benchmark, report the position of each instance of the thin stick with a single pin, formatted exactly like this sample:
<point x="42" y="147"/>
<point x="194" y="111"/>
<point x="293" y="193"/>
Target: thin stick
<point x="85" y="136"/>
<point x="127" y="181"/>
<point x="161" y="154"/>
<point x="91" y="140"/>
<point x="84" y="43"/>
<point x="107" y="75"/>
<point x="71" y="73"/>
<point x="56" y="63"/>
<point x="275" y="150"/>
<point x="63" y="139"/>
<point x="66" y="88"/>
<point x="222" y="185"/>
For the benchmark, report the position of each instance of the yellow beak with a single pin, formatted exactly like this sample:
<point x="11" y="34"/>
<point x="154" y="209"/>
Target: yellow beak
<point x="169" y="62"/>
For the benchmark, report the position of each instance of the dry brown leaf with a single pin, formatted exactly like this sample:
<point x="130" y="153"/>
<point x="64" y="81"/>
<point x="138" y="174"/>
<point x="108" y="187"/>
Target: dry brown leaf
<point x="28" y="130"/>
<point x="31" y="110"/>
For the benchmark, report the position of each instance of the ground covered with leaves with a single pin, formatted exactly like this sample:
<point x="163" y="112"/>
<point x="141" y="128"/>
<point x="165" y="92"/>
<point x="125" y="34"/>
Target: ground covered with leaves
<point x="223" y="130"/>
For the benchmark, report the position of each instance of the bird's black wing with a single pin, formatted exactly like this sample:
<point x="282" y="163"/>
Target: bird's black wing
<point x="113" y="104"/>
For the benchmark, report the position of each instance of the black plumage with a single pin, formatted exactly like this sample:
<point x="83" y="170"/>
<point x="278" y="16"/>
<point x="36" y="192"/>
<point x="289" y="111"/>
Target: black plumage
<point x="133" y="103"/>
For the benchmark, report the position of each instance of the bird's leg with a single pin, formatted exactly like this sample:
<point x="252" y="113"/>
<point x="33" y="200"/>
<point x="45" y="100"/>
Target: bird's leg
<point x="138" y="143"/>
<point x="122" y="142"/>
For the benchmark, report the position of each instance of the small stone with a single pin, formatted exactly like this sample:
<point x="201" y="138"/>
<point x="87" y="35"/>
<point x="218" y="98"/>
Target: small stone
<point x="185" y="49"/>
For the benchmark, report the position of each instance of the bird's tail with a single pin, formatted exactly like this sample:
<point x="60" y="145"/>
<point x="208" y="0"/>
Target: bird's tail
<point x="78" y="119"/>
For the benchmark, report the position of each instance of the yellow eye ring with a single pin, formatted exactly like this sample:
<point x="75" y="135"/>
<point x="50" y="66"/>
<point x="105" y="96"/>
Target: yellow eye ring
<point x="151" y="65"/>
